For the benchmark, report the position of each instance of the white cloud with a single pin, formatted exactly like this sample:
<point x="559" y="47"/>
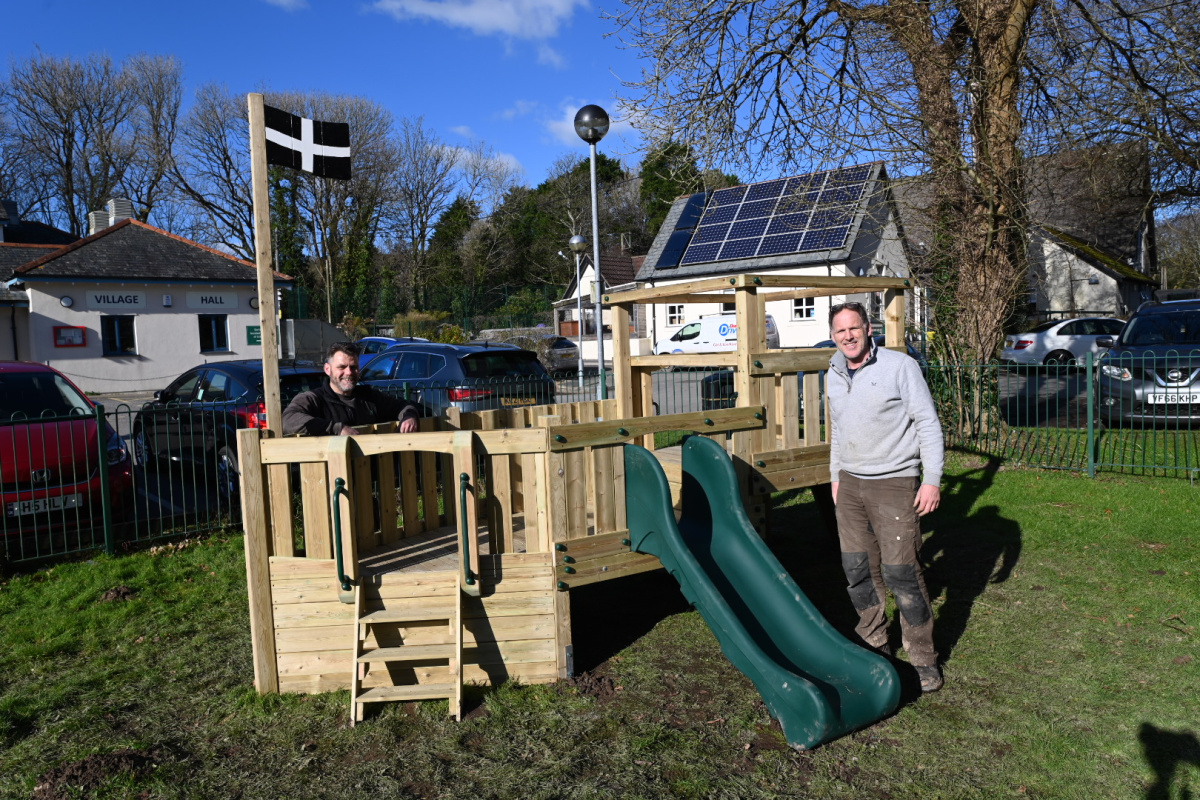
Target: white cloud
<point x="520" y="19"/>
<point x="547" y="56"/>
<point x="464" y="131"/>
<point x="519" y="109"/>
<point x="289" y="5"/>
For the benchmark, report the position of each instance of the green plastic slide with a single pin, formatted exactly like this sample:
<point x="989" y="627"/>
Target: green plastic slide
<point x="814" y="681"/>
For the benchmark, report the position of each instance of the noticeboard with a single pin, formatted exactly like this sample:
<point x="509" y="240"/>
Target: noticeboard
<point x="254" y="335"/>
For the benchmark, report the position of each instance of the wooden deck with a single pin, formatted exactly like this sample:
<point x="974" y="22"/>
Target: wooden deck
<point x="431" y="551"/>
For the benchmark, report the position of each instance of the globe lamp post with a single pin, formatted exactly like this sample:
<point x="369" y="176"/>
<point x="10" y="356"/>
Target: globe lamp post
<point x="578" y="245"/>
<point x="591" y="123"/>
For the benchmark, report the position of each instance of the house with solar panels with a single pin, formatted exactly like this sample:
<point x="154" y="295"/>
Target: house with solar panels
<point x="839" y="222"/>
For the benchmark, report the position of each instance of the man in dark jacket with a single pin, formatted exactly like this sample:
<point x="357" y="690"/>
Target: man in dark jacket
<point x="338" y="406"/>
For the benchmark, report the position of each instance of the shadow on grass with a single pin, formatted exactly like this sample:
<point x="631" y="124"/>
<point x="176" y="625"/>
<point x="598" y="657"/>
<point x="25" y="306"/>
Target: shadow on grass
<point x="966" y="552"/>
<point x="1165" y="751"/>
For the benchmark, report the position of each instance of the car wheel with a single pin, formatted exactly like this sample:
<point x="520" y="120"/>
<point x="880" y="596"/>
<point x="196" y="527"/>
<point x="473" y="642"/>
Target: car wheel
<point x="146" y="459"/>
<point x="1060" y="358"/>
<point x="228" y="477"/>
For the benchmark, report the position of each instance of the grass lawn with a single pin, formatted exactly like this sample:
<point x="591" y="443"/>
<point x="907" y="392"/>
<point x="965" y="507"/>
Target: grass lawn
<point x="1067" y="614"/>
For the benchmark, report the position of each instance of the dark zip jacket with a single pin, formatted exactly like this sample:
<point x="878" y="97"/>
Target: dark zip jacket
<point x="324" y="412"/>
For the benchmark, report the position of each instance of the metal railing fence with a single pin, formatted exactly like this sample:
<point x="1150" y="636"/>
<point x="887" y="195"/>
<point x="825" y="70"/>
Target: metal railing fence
<point x="120" y="478"/>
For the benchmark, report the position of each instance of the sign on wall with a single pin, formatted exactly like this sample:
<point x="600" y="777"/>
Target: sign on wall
<point x="254" y="334"/>
<point x="212" y="301"/>
<point x="115" y="300"/>
<point x="70" y="336"/>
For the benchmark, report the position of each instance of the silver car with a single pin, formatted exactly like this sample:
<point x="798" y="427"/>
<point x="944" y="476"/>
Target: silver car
<point x="1065" y="341"/>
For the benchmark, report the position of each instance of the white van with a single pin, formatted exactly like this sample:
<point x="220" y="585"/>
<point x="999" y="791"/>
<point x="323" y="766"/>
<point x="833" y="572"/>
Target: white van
<point x="713" y="333"/>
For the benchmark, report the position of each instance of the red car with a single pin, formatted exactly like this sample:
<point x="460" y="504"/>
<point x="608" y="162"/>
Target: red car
<point x="51" y="455"/>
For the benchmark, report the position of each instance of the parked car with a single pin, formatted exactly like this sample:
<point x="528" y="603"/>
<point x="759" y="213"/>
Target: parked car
<point x="717" y="389"/>
<point x="712" y="333"/>
<point x="562" y="355"/>
<point x="468" y="377"/>
<point x="195" y="420"/>
<point x="371" y="346"/>
<point x="1060" y="342"/>
<point x="1151" y="372"/>
<point x="51" y="453"/>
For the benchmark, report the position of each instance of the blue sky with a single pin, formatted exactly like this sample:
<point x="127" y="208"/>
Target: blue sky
<point x="509" y="72"/>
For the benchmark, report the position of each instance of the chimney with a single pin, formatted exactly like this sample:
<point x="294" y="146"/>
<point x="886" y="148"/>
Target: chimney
<point x="97" y="221"/>
<point x="119" y="208"/>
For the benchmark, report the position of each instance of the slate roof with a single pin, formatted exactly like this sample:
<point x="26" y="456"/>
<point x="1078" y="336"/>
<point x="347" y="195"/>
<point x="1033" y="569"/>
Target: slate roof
<point x="875" y="194"/>
<point x="133" y="250"/>
<point x="16" y="255"/>
<point x="1097" y="257"/>
<point x="616" y="269"/>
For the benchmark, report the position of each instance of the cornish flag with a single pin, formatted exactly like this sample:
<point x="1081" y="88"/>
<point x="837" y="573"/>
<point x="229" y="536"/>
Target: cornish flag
<point x="322" y="148"/>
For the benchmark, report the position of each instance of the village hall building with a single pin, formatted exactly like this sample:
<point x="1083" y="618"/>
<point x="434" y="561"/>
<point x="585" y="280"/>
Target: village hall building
<point x="131" y="307"/>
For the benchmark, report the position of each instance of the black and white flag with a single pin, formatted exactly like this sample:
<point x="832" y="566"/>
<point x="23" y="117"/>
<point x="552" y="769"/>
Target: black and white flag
<point x="322" y="148"/>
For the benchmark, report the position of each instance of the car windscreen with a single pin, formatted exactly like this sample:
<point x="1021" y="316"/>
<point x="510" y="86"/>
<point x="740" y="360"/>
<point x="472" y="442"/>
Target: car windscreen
<point x="1174" y="328"/>
<point x="292" y="385"/>
<point x="502" y="364"/>
<point x="25" y="395"/>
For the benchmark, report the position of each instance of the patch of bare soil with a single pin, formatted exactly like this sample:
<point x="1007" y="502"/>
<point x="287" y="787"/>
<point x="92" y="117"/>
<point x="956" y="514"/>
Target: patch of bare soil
<point x="117" y="593"/>
<point x="81" y="778"/>
<point x="594" y="684"/>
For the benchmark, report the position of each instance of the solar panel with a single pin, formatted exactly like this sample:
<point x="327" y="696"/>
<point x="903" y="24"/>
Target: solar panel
<point x="803" y="213"/>
<point x="677" y="244"/>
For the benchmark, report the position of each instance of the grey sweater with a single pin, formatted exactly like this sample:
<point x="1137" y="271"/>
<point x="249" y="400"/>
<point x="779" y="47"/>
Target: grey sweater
<point x="883" y="422"/>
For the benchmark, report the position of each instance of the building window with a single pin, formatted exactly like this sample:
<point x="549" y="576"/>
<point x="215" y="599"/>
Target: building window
<point x="804" y="308"/>
<point x="725" y="307"/>
<point x="116" y="335"/>
<point x="675" y="315"/>
<point x="214" y="333"/>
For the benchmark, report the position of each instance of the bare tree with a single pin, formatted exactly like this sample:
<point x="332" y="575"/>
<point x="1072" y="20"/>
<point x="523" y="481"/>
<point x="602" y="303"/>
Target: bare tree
<point x="425" y="182"/>
<point x="69" y="119"/>
<point x="1179" y="252"/>
<point x="933" y="87"/>
<point x="484" y="176"/>
<point x="156" y="83"/>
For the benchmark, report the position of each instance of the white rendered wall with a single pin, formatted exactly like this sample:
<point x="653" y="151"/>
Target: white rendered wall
<point x="167" y="337"/>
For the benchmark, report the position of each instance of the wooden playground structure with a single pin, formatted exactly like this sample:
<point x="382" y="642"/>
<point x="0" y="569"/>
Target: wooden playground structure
<point x="420" y="562"/>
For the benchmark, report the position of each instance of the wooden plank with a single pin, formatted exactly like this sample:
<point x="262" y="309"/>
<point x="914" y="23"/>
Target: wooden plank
<point x="576" y="485"/>
<point x="314" y="493"/>
<point x="283" y="568"/>
<point x="846" y="285"/>
<point x="622" y="376"/>
<point x="464" y="463"/>
<point x="409" y="494"/>
<point x="339" y="455"/>
<point x="792" y="478"/>
<point x="812" y="408"/>
<point x="316" y="662"/>
<point x="280" y="489"/>
<point x="451" y="419"/>
<point x="599" y="546"/>
<point x="686" y="360"/>
<point x="590" y="412"/>
<point x="621" y="566"/>
<point x="800" y="359"/>
<point x="364" y="502"/>
<point x="258" y="565"/>
<point x="608" y="432"/>
<point x="308" y="590"/>
<point x="893" y="319"/>
<point x="305" y="615"/>
<point x="428" y="471"/>
<point x="646" y="409"/>
<point x="788" y="459"/>
<point x="606" y="491"/>
<point x="563" y="642"/>
<point x="315" y="448"/>
<point x="510" y="604"/>
<point x="389" y="512"/>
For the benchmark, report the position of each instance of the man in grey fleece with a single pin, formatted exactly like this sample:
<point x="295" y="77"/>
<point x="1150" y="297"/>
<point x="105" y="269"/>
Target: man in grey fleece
<point x="885" y="463"/>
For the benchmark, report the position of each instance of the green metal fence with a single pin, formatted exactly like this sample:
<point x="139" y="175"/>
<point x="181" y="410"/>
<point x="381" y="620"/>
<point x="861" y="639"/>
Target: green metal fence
<point x="123" y="477"/>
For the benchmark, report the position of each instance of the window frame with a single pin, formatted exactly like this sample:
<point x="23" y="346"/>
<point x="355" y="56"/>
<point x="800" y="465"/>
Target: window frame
<point x="675" y="313"/>
<point x="110" y="328"/>
<point x="217" y="323"/>
<point x="804" y="309"/>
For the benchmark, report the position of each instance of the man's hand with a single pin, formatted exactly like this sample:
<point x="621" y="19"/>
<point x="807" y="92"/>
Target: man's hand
<point x="408" y="425"/>
<point x="928" y="499"/>
<point x="348" y="431"/>
<point x="834" y="486"/>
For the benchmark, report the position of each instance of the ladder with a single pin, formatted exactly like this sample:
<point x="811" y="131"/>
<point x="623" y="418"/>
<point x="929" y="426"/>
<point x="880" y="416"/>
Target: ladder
<point x="370" y="658"/>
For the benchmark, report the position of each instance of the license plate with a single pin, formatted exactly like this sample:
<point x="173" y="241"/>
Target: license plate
<point x="1173" y="398"/>
<point x="517" y="401"/>
<point x="22" y="508"/>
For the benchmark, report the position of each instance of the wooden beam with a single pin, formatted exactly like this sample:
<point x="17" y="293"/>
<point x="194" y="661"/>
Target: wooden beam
<point x="850" y="285"/>
<point x="622" y="374"/>
<point x="592" y="434"/>
<point x="316" y="448"/>
<point x="258" y="564"/>
<point x="686" y="360"/>
<point x="262" y="256"/>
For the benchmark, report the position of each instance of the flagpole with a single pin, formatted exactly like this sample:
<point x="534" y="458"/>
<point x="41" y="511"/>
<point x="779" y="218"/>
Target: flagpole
<point x="262" y="253"/>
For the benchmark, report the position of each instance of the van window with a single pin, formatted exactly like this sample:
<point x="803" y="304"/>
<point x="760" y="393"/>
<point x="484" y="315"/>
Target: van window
<point x="687" y="332"/>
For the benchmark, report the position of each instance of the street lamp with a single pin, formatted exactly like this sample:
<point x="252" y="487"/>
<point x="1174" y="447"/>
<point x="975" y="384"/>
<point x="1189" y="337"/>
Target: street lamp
<point x="591" y="123"/>
<point x="578" y="244"/>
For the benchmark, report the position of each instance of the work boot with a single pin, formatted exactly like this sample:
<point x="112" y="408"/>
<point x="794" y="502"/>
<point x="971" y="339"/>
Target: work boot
<point x="931" y="678"/>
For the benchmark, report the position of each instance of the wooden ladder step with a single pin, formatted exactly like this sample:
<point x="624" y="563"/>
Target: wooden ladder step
<point x="427" y="614"/>
<point x="411" y="652"/>
<point x="420" y="691"/>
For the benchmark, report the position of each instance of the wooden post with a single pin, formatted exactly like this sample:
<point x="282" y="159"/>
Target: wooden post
<point x="622" y="375"/>
<point x="893" y="318"/>
<point x="262" y="255"/>
<point x="258" y="562"/>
